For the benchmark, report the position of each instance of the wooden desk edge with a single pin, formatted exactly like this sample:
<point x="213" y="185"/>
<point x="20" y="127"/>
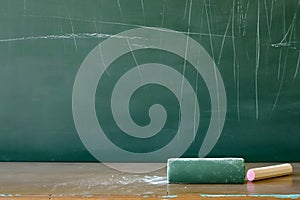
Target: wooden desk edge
<point x="154" y="197"/>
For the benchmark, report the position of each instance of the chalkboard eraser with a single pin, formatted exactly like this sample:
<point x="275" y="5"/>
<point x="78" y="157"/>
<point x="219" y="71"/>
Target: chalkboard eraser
<point x="206" y="170"/>
<point x="269" y="172"/>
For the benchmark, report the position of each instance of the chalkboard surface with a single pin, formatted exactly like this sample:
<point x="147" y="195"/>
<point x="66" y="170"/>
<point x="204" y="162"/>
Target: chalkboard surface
<point x="67" y="68"/>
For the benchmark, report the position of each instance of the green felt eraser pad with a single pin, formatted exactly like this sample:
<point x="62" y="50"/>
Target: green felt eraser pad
<point x="206" y="170"/>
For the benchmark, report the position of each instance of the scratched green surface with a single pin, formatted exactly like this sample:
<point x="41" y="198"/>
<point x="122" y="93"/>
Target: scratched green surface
<point x="255" y="45"/>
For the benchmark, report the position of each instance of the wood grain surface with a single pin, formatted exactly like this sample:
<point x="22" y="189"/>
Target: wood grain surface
<point x="95" y="181"/>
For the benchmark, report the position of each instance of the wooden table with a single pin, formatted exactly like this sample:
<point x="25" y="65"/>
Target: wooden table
<point x="92" y="181"/>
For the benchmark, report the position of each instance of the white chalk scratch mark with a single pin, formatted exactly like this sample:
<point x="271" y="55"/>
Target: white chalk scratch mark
<point x="291" y="27"/>
<point x="240" y="19"/>
<point x="247" y="9"/>
<point x="223" y="40"/>
<point x="282" y="77"/>
<point x="185" y="56"/>
<point x="233" y="41"/>
<point x="245" y="17"/>
<point x="297" y="66"/>
<point x="132" y="25"/>
<point x="201" y="21"/>
<point x="102" y="60"/>
<point x="143" y="10"/>
<point x="284" y="17"/>
<point x="95" y="26"/>
<point x="295" y="14"/>
<point x="101" y="54"/>
<point x="73" y="32"/>
<point x="196" y="100"/>
<point x="163" y="14"/>
<point x="269" y="35"/>
<point x="70" y="36"/>
<point x="281" y="81"/>
<point x="280" y="56"/>
<point x="60" y="24"/>
<point x="271" y="13"/>
<point x="209" y="31"/>
<point x="135" y="60"/>
<point x="120" y="9"/>
<point x="267" y="19"/>
<point x="213" y="55"/>
<point x="257" y="61"/>
<point x="238" y="93"/>
<point x="279" y="64"/>
<point x="185" y="9"/>
<point x="59" y="20"/>
<point x="24" y="6"/>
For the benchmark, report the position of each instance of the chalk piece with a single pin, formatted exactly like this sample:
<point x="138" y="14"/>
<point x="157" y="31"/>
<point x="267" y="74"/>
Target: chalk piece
<point x="269" y="172"/>
<point x="206" y="170"/>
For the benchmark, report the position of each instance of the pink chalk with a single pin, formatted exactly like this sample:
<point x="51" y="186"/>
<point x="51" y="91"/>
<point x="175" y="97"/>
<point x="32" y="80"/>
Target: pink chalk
<point x="269" y="172"/>
<point x="250" y="175"/>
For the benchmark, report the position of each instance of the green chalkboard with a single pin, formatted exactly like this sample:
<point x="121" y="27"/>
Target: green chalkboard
<point x="144" y="80"/>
